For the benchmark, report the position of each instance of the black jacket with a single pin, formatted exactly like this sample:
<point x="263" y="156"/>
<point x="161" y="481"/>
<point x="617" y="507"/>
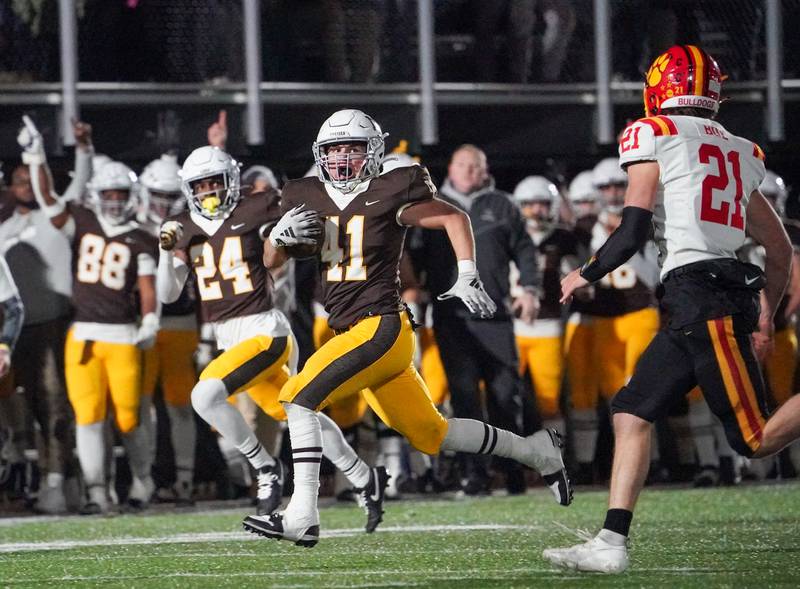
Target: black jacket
<point x="500" y="237"/>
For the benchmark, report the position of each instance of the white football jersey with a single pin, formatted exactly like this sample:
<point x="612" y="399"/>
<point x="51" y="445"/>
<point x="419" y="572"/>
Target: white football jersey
<point x="707" y="176"/>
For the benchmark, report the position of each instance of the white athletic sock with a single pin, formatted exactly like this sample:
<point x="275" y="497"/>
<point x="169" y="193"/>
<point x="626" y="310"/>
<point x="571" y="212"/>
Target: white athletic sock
<point x="305" y="433"/>
<point x="476" y="437"/>
<point x="137" y="448"/>
<point x="55" y="480"/>
<point x="337" y="450"/>
<point x="584" y="436"/>
<point x="91" y="447"/>
<point x="209" y="399"/>
<point x="147" y="422"/>
<point x="391" y="450"/>
<point x="701" y="421"/>
<point x="183" y="433"/>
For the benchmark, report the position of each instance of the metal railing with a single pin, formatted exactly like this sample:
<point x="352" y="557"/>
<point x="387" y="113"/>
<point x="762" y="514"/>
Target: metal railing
<point x="426" y="93"/>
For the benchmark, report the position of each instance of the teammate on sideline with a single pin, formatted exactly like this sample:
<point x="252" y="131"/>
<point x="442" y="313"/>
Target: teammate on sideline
<point x="220" y="236"/>
<point x="112" y="258"/>
<point x="698" y="184"/>
<point x="367" y="214"/>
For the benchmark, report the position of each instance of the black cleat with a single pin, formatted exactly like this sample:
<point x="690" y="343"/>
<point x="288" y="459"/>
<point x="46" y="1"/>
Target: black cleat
<point x="549" y="444"/>
<point x="372" y="495"/>
<point x="270" y="487"/>
<point x="271" y="526"/>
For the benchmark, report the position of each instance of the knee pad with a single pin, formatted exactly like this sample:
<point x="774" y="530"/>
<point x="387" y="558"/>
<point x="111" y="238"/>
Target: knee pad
<point x="207" y="395"/>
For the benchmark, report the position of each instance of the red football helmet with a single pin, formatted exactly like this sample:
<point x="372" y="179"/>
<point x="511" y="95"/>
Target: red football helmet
<point x="683" y="76"/>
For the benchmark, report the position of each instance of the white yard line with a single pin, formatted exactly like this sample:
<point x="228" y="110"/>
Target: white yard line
<point x="192" y="538"/>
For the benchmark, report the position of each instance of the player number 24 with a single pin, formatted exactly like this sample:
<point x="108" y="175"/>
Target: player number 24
<point x="231" y="266"/>
<point x="720" y="181"/>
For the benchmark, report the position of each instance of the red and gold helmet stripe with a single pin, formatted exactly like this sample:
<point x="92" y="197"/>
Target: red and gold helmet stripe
<point x="698" y="60"/>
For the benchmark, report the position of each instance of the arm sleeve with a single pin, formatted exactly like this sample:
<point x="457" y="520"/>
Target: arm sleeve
<point x="13" y="311"/>
<point x="627" y="239"/>
<point x="170" y="277"/>
<point x="523" y="250"/>
<point x="145" y="264"/>
<point x="82" y="174"/>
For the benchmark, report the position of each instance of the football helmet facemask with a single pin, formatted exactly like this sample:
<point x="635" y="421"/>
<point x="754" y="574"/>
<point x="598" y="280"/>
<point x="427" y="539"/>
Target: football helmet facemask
<point x="207" y="163"/>
<point x="113" y="193"/>
<point x="160" y="190"/>
<point x="684" y="76"/>
<point x="346" y="170"/>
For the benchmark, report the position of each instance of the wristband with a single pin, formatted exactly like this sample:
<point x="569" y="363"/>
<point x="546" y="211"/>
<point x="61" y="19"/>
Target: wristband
<point x="53" y="210"/>
<point x="465" y="266"/>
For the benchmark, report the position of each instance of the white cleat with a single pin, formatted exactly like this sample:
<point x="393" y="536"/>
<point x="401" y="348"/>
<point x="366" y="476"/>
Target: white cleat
<point x="547" y="460"/>
<point x="593" y="556"/>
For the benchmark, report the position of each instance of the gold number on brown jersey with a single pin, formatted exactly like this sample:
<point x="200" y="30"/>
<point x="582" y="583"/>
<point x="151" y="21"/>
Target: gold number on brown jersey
<point x="102" y="262"/>
<point x="333" y="255"/>
<point x="231" y="266"/>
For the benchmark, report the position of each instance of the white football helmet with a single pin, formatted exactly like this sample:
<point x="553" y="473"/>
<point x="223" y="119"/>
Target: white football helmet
<point x="114" y="176"/>
<point x="209" y="162"/>
<point x="774" y="188"/>
<point x="349" y="126"/>
<point x="536" y="189"/>
<point x="160" y="190"/>
<point x="608" y="172"/>
<point x="253" y="173"/>
<point x="583" y="195"/>
<point x="610" y="181"/>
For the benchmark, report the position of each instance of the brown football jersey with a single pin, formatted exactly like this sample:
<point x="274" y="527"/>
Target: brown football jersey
<point x="105" y="269"/>
<point x="363" y="241"/>
<point x="228" y="263"/>
<point x="553" y="248"/>
<point x="621" y="292"/>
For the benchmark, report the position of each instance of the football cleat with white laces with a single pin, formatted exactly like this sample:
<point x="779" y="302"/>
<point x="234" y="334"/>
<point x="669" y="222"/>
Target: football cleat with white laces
<point x="546" y="458"/>
<point x="593" y="556"/>
<point x="272" y="526"/>
<point x="372" y="495"/>
<point x="270" y="487"/>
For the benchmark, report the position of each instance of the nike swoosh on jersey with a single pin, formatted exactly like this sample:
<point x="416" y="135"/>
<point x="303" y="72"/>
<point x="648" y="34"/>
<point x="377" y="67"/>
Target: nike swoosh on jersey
<point x="371" y="202"/>
<point x="237" y="226"/>
<point x="748" y="281"/>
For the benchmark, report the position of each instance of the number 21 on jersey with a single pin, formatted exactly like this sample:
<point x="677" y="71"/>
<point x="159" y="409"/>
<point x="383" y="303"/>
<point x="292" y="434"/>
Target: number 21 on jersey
<point x="720" y="181"/>
<point x="341" y="267"/>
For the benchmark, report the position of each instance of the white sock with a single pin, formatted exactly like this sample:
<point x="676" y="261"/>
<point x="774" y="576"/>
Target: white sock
<point x="613" y="538"/>
<point x="702" y="423"/>
<point x="584" y="434"/>
<point x="391" y="450"/>
<point x="476" y="437"/>
<point x="209" y="399"/>
<point x="183" y="433"/>
<point x="91" y="447"/>
<point x="55" y="480"/>
<point x="556" y="423"/>
<point x="419" y="462"/>
<point x="337" y="450"/>
<point x="137" y="448"/>
<point x="305" y="434"/>
<point x="147" y="422"/>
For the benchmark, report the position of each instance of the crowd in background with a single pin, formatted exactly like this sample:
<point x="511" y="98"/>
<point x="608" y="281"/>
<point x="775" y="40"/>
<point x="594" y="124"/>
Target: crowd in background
<point x="363" y="41"/>
<point x="536" y="363"/>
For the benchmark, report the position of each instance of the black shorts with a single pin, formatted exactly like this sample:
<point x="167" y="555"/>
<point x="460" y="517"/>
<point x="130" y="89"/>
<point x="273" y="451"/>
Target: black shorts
<point x="712" y="352"/>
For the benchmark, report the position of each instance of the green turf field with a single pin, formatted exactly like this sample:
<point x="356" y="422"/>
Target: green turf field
<point x="743" y="537"/>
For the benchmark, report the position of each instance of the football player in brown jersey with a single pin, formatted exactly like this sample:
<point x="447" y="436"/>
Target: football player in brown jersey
<point x="112" y="258"/>
<point x="366" y="215"/>
<point x="169" y="364"/>
<point x="221" y="238"/>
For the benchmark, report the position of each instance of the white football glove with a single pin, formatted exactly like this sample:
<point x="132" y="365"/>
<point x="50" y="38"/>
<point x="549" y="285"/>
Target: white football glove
<point x="170" y="234"/>
<point x="31" y="142"/>
<point x="469" y="289"/>
<point x="148" y="330"/>
<point x="295" y="227"/>
<point x="203" y="355"/>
